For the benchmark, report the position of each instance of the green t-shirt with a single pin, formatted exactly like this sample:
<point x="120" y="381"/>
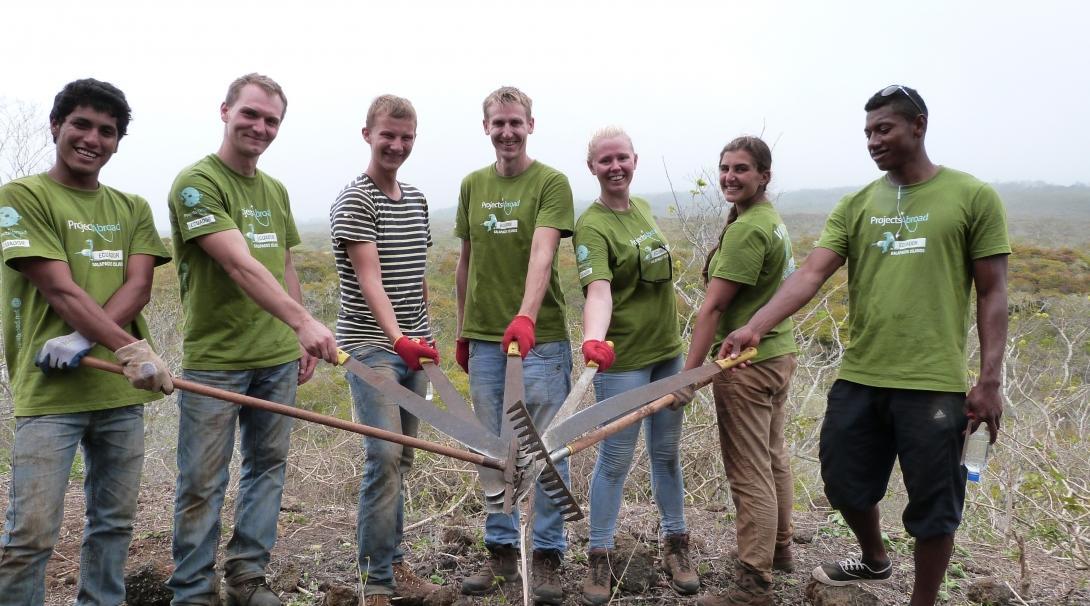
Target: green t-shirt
<point x="224" y="328"/>
<point x="755" y="251"/>
<point x="95" y="233"/>
<point x="619" y="247"/>
<point x="498" y="215"/>
<point x="908" y="292"/>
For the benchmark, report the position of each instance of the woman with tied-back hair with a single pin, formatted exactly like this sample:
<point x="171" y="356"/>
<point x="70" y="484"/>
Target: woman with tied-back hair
<point x="742" y="273"/>
<point x="625" y="268"/>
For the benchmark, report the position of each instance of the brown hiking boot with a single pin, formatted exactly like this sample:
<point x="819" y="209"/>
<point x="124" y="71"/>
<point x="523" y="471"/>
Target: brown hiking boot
<point x="597" y="586"/>
<point x="502" y="567"/>
<point x="783" y="560"/>
<point x="750" y="590"/>
<point x="547" y="588"/>
<point x="376" y="599"/>
<point x="678" y="565"/>
<point x="411" y="586"/>
<point x="251" y="592"/>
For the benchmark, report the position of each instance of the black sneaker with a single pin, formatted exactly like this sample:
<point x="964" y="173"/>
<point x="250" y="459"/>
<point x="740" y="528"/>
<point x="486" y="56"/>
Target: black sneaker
<point x="850" y="572"/>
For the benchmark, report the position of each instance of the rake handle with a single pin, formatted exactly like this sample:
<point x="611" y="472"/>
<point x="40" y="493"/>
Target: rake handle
<point x="635" y="416"/>
<point x="313" y="417"/>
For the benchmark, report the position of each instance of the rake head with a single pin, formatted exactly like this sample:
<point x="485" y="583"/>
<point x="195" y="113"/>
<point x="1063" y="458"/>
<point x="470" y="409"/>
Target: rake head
<point x="539" y="464"/>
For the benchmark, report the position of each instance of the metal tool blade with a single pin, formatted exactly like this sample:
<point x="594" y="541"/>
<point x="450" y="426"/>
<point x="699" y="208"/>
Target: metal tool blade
<point x="620" y="404"/>
<point x="469" y="432"/>
<point x="492" y="481"/>
<point x="452" y="398"/>
<point x="551" y="481"/>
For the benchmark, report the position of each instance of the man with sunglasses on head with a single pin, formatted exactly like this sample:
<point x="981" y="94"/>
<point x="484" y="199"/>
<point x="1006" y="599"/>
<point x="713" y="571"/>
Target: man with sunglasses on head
<point x="511" y="217"/>
<point x="916" y="241"/>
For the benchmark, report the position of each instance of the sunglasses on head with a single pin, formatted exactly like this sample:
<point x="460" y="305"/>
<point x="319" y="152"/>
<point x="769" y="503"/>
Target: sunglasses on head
<point x="893" y="88"/>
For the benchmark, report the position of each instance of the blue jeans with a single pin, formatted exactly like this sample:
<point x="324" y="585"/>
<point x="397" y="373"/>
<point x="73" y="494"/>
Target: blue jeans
<point x="547" y="378"/>
<point x="45" y="446"/>
<point x="663" y="434"/>
<point x="206" y="439"/>
<point x="380" y="520"/>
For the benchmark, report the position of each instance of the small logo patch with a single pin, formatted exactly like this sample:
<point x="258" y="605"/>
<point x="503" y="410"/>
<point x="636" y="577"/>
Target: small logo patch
<point x="202" y="221"/>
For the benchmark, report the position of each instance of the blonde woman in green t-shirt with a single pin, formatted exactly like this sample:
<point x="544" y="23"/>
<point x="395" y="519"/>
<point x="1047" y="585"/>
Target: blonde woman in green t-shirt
<point x="624" y="265"/>
<point x="742" y="273"/>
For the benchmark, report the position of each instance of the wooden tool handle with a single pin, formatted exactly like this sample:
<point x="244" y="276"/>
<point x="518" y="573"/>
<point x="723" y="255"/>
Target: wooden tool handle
<point x="313" y="417"/>
<point x="646" y="410"/>
<point x="513" y="349"/>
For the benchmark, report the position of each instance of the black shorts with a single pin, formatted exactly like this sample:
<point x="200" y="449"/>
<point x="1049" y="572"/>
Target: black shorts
<point x="867" y="428"/>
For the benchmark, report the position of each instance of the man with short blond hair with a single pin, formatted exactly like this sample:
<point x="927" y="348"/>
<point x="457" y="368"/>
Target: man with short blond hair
<point x="246" y="331"/>
<point x="511" y="217"/>
<point x="381" y="235"/>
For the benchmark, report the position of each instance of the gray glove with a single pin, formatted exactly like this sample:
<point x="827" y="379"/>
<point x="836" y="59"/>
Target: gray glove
<point x="63" y="352"/>
<point x="144" y="368"/>
<point x="682" y="397"/>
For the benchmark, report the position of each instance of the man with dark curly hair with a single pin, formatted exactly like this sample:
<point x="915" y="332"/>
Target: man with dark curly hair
<point x="78" y="264"/>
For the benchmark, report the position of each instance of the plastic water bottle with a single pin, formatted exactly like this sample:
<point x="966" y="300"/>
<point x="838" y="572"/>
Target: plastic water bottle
<point x="975" y="456"/>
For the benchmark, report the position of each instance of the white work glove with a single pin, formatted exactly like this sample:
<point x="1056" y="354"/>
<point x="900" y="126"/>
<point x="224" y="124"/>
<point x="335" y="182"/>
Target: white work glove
<point x="63" y="352"/>
<point x="144" y="368"/>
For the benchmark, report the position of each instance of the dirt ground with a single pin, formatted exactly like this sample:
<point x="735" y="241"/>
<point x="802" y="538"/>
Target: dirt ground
<point x="314" y="560"/>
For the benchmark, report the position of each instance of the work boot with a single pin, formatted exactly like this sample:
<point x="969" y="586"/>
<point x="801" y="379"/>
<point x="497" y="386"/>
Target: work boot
<point x="375" y="599"/>
<point x="678" y="565"/>
<point x="783" y="560"/>
<point x="597" y="586"/>
<point x="750" y="590"/>
<point x="547" y="588"/>
<point x="251" y="592"/>
<point x="502" y="567"/>
<point x="410" y="586"/>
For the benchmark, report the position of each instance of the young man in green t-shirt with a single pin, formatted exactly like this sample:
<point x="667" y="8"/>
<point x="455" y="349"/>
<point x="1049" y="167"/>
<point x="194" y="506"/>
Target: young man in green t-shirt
<point x="511" y="217"/>
<point x="245" y="331"/>
<point x="78" y="263"/>
<point x="916" y="241"/>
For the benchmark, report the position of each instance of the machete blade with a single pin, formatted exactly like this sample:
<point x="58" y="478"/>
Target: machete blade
<point x="611" y="408"/>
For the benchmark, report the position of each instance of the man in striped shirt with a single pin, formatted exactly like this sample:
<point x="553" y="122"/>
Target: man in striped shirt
<point x="380" y="242"/>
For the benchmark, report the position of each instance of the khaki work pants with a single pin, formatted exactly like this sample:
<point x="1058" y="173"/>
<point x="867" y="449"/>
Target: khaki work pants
<point x="749" y="407"/>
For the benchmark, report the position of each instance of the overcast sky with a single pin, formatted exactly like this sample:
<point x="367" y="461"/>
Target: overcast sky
<point x="1006" y="82"/>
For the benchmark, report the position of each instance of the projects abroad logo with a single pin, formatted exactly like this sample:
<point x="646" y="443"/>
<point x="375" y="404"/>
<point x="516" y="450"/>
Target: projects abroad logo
<point x="263" y="217"/>
<point x="107" y="231"/>
<point x="507" y="206"/>
<point x="911" y="223"/>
